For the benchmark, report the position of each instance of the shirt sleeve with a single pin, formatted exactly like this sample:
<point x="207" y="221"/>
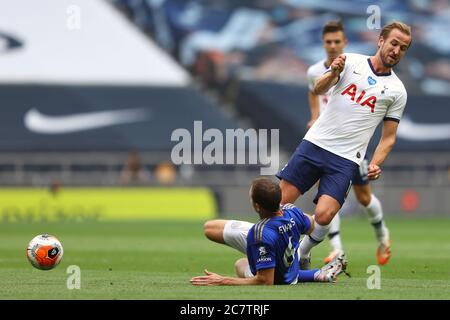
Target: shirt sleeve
<point x="263" y="254"/>
<point x="304" y="220"/>
<point x="311" y="79"/>
<point x="395" y="110"/>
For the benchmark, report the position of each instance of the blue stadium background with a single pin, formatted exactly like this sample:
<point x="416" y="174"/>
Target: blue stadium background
<point x="247" y="63"/>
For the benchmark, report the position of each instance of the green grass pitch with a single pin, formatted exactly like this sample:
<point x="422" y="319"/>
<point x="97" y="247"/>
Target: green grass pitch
<point x="155" y="260"/>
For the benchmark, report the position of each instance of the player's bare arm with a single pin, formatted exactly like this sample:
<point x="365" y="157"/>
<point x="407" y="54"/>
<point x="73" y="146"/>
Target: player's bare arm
<point x="384" y="147"/>
<point x="263" y="277"/>
<point x="330" y="78"/>
<point x="314" y="107"/>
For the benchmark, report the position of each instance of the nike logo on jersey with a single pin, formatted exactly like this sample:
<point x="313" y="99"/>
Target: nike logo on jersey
<point x="410" y="130"/>
<point x="356" y="73"/>
<point x="352" y="91"/>
<point x="37" y="122"/>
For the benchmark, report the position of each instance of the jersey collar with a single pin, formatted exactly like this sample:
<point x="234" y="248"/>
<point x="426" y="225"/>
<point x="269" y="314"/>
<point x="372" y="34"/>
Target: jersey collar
<point x="375" y="73"/>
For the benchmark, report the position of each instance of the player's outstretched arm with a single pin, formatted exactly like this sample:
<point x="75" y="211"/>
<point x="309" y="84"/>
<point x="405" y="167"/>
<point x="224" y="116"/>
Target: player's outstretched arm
<point x="330" y="78"/>
<point x="265" y="276"/>
<point x="314" y="107"/>
<point x="384" y="147"/>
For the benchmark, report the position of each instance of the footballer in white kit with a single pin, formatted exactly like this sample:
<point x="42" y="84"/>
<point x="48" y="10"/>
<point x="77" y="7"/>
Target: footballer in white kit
<point x="333" y="31"/>
<point x="363" y="91"/>
<point x="360" y="100"/>
<point x="334" y="147"/>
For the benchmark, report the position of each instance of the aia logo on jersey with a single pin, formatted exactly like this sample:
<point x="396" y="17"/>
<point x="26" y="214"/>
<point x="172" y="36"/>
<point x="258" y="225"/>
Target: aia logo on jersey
<point x="362" y="100"/>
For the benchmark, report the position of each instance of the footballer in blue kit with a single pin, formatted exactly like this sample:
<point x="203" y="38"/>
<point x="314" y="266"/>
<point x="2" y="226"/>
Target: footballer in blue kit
<point x="271" y="244"/>
<point x="266" y="250"/>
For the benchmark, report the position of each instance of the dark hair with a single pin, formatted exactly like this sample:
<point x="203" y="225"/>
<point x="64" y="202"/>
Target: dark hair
<point x="332" y="26"/>
<point x="267" y="194"/>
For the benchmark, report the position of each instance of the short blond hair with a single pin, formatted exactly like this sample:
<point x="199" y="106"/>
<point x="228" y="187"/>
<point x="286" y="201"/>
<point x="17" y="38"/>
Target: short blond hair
<point x="403" y="27"/>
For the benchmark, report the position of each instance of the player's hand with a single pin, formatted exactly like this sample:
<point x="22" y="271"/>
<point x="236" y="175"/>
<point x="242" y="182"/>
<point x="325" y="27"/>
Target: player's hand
<point x="338" y="64"/>
<point x="211" y="279"/>
<point x="373" y="172"/>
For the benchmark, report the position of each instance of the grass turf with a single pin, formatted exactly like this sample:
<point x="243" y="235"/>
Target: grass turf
<point x="155" y="260"/>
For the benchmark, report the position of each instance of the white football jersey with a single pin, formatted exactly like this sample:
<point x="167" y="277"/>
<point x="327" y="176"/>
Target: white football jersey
<point x="314" y="72"/>
<point x="359" y="101"/>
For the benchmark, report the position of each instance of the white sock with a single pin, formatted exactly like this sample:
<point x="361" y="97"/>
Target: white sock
<point x="374" y="211"/>
<point x="334" y="233"/>
<point x="316" y="237"/>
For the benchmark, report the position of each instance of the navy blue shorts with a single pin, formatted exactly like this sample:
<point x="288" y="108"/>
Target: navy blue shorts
<point x="309" y="163"/>
<point x="360" y="176"/>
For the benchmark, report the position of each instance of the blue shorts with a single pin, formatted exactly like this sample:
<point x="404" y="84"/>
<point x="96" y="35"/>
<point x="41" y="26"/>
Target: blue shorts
<point x="360" y="176"/>
<point x="309" y="163"/>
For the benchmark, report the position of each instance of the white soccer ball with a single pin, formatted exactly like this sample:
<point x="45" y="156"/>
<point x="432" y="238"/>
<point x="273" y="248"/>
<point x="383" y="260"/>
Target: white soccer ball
<point x="44" y="252"/>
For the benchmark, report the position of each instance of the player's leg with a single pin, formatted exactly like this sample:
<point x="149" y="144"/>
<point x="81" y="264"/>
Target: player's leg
<point x="213" y="230"/>
<point x="289" y="192"/>
<point x="334" y="236"/>
<point x="242" y="268"/>
<point x="334" y="186"/>
<point x="326" y="209"/>
<point x="233" y="233"/>
<point x="373" y="209"/>
<point x="359" y="178"/>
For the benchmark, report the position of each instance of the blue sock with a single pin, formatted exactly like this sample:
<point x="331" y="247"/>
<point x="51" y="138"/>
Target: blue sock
<point x="306" y="275"/>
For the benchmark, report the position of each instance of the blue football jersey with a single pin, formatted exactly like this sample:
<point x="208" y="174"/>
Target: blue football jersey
<point x="273" y="243"/>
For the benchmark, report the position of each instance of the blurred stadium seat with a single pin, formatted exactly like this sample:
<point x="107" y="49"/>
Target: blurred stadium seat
<point x="265" y="81"/>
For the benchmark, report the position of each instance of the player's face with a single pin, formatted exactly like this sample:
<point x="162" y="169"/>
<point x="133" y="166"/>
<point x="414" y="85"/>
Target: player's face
<point x="334" y="43"/>
<point x="393" y="48"/>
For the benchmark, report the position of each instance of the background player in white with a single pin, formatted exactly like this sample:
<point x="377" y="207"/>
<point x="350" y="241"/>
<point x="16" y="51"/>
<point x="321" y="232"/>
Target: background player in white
<point x="334" y="42"/>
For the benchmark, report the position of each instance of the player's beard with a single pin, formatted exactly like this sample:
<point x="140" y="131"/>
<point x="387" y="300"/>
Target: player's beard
<point x="384" y="61"/>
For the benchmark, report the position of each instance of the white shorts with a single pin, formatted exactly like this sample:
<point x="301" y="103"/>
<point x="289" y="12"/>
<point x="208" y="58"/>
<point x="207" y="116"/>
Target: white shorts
<point x="235" y="234"/>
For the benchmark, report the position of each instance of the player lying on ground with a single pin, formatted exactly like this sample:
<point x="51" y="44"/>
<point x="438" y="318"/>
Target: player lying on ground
<point x="271" y="244"/>
<point x="334" y="42"/>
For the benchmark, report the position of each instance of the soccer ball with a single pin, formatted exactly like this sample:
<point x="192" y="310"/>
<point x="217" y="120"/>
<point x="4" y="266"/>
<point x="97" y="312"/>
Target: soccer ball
<point x="44" y="252"/>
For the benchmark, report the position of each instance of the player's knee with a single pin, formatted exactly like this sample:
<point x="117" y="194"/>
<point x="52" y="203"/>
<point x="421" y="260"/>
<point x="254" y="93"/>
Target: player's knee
<point x="208" y="228"/>
<point x="289" y="193"/>
<point x="213" y="230"/>
<point x="363" y="198"/>
<point x="240" y="265"/>
<point x="323" y="216"/>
